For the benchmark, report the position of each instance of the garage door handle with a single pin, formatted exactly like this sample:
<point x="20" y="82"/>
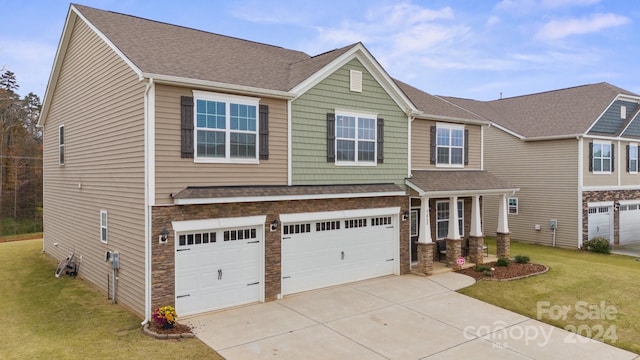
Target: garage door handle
<point x="286" y="277"/>
<point x="253" y="242"/>
<point x="255" y="283"/>
<point x="390" y="227"/>
<point x="286" y="237"/>
<point x="219" y="274"/>
<point x="183" y="249"/>
<point x="181" y="296"/>
<point x="342" y="254"/>
<point x="390" y="259"/>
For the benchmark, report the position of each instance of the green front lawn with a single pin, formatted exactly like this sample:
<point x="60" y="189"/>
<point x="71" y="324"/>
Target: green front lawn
<point x="44" y="317"/>
<point x="590" y="293"/>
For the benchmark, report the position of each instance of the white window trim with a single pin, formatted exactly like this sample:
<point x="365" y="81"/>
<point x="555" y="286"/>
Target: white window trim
<point x="227" y="99"/>
<point x="414" y="217"/>
<point x="450" y="127"/>
<point x="61" y="146"/>
<point x="105" y="226"/>
<point x="631" y="171"/>
<point x="516" y="207"/>
<point x="375" y="138"/>
<point x="594" y="157"/>
<point x="460" y="219"/>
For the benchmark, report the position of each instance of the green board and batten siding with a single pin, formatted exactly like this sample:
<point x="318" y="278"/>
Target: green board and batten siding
<point x="309" y="128"/>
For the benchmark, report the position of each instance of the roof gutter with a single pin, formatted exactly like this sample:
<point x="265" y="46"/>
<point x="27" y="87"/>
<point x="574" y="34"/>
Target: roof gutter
<point x="427" y="116"/>
<point x="448" y="193"/>
<point x="219" y="86"/>
<point x="554" y="137"/>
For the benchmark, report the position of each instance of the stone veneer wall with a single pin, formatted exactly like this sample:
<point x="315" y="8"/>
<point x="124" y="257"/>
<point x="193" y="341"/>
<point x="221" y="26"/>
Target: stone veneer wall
<point x="163" y="261"/>
<point x="611" y="195"/>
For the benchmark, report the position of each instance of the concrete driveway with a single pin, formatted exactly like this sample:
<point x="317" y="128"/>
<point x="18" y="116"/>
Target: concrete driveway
<point x="396" y="317"/>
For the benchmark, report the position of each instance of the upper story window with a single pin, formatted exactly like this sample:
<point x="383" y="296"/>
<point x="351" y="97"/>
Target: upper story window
<point x="449" y="145"/>
<point x="61" y="141"/>
<point x="355" y="138"/>
<point x="226" y="128"/>
<point x="632" y="156"/>
<point x="601" y="157"/>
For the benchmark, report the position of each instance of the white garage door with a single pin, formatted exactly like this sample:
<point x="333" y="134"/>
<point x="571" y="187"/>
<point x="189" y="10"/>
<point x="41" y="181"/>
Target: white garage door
<point x="218" y="268"/>
<point x="629" y="223"/>
<point x="600" y="221"/>
<point x="325" y="252"/>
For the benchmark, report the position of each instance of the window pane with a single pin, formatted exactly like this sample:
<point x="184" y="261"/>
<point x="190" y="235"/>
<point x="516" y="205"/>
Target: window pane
<point x="210" y="114"/>
<point x="366" y="129"/>
<point x="442" y="137"/>
<point x="345" y="150"/>
<point x="443" y="155"/>
<point x="61" y="135"/>
<point x="243" y="117"/>
<point x="457" y="137"/>
<point x="606" y="151"/>
<point x="366" y="151"/>
<point x="606" y="165"/>
<point x="597" y="165"/>
<point x="456" y="156"/>
<point x="243" y="145"/>
<point x="210" y="143"/>
<point x="345" y="127"/>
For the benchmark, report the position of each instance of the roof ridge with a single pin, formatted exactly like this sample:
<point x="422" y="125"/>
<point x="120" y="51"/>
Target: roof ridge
<point x="549" y="91"/>
<point x="186" y="28"/>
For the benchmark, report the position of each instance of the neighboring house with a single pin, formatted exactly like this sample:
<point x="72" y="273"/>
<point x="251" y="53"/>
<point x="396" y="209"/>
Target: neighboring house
<point x="222" y="171"/>
<point x="574" y="155"/>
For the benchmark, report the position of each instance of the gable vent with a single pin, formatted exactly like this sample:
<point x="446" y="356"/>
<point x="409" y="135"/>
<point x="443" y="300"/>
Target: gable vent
<point x="355" y="80"/>
<point x="623" y="112"/>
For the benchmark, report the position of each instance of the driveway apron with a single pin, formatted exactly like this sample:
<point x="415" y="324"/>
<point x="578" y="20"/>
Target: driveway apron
<point x="394" y="317"/>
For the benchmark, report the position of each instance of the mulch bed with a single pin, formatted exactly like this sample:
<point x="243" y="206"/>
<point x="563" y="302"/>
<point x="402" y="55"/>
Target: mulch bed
<point x="502" y="273"/>
<point x="176" y="332"/>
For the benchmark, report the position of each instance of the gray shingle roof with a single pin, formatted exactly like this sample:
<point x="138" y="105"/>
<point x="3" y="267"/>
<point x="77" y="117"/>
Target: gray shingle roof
<point x="432" y="105"/>
<point x="561" y="112"/>
<point x="257" y="192"/>
<point x="433" y="181"/>
<point x="159" y="48"/>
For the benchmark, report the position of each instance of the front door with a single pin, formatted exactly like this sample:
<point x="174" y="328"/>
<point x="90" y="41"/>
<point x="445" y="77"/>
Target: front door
<point x="415" y="232"/>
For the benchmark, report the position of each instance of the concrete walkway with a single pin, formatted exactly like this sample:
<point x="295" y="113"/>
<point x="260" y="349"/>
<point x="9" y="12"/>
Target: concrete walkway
<point x="396" y="317"/>
<point x="632" y="249"/>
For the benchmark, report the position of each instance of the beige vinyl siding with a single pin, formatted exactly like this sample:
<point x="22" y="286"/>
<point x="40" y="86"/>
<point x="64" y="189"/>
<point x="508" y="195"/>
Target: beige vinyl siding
<point x="602" y="179"/>
<point x="174" y="173"/>
<point x="626" y="178"/>
<point x="99" y="99"/>
<point x="421" y="141"/>
<point x="547" y="174"/>
<point x="309" y="131"/>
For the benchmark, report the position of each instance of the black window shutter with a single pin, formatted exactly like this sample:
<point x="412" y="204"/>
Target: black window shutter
<point x="264" y="132"/>
<point x="591" y="156"/>
<point x="186" y="126"/>
<point x="628" y="159"/>
<point x="466" y="146"/>
<point x="432" y="144"/>
<point x="380" y="141"/>
<point x="331" y="137"/>
<point x="613" y="157"/>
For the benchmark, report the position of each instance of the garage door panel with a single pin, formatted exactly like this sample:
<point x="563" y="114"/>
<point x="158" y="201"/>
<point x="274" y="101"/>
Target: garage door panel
<point x="353" y="250"/>
<point x="629" y="223"/>
<point x="219" y="274"/>
<point x="600" y="222"/>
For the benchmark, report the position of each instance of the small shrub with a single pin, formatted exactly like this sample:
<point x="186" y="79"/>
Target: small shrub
<point x="502" y="262"/>
<point x="487" y="273"/>
<point x="598" y="244"/>
<point x="522" y="259"/>
<point x="482" y="268"/>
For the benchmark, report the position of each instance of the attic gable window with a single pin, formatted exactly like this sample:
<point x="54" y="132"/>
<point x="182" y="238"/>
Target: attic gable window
<point x="226" y="128"/>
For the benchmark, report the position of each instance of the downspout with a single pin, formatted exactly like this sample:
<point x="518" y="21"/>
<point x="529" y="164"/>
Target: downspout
<point x="147" y="212"/>
<point x="580" y="188"/>
<point x="289" y="146"/>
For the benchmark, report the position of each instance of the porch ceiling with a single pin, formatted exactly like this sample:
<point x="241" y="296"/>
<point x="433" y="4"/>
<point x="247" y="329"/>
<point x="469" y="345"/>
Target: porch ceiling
<point x="458" y="182"/>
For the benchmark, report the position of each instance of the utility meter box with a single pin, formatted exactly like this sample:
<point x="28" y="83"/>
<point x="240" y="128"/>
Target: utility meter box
<point x="553" y="224"/>
<point x="115" y="260"/>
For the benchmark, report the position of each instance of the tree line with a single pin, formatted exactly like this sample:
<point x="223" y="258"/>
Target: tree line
<point x="20" y="159"/>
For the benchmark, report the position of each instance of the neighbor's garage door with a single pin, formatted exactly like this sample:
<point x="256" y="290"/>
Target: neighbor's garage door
<point x="629" y="223"/>
<point x="325" y="252"/>
<point x="218" y="268"/>
<point x="600" y="221"/>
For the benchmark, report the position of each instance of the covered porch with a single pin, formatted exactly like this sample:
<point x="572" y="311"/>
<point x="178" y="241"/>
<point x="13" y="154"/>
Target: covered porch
<point x="446" y="217"/>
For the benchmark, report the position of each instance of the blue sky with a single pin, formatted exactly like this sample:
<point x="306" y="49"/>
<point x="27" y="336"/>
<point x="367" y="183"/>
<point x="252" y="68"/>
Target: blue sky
<point x="471" y="49"/>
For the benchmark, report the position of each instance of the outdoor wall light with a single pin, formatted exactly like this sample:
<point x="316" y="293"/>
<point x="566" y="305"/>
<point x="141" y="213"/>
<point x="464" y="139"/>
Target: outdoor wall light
<point x="405" y="216"/>
<point x="274" y="225"/>
<point x="164" y="236"/>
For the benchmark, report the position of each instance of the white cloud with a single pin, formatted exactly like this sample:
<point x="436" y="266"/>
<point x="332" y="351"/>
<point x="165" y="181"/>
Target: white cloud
<point x="526" y="6"/>
<point x="493" y="20"/>
<point x="557" y="29"/>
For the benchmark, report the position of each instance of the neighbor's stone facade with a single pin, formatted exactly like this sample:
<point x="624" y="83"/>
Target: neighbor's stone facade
<point x="598" y="196"/>
<point x="163" y="255"/>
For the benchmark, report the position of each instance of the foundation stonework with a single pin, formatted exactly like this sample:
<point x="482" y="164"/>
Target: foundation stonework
<point x="454" y="251"/>
<point x="476" y="254"/>
<point x="503" y="245"/>
<point x="425" y="257"/>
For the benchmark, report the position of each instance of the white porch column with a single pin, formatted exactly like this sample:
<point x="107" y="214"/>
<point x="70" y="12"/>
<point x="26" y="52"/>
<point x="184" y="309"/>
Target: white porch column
<point x="454" y="229"/>
<point x="476" y="229"/>
<point x="503" y="222"/>
<point x="424" y="235"/>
